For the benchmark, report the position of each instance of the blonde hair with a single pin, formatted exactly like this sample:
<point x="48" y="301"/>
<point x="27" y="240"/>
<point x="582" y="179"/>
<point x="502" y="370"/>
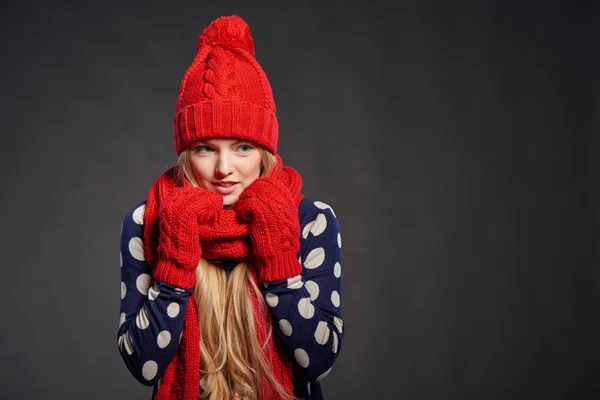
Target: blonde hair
<point x="232" y="359"/>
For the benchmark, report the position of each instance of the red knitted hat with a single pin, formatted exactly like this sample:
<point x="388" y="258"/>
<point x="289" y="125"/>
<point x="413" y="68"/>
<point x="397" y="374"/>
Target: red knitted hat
<point x="225" y="93"/>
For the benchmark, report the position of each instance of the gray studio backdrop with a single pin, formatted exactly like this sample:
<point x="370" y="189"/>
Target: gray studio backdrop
<point x="457" y="144"/>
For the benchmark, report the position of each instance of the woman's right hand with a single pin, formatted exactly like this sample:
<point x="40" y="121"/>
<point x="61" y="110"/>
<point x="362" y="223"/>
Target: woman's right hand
<point x="179" y="248"/>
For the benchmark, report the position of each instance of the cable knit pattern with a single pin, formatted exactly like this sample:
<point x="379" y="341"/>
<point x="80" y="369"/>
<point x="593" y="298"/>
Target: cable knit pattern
<point x="179" y="249"/>
<point x="306" y="310"/>
<point x="225" y="93"/>
<point x="219" y="77"/>
<point x="220" y="234"/>
<point x="274" y="229"/>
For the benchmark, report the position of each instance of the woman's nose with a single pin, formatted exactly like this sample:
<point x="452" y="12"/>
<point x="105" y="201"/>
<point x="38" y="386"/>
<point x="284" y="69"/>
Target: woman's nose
<point x="224" y="165"/>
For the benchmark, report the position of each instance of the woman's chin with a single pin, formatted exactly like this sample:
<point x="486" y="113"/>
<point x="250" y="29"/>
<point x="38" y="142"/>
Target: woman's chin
<point x="230" y="199"/>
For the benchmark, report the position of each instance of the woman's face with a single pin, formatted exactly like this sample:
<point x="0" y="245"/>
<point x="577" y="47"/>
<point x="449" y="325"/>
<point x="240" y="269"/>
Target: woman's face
<point x="225" y="166"/>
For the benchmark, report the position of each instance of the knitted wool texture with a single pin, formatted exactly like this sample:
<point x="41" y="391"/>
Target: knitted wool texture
<point x="225" y="93"/>
<point x="225" y="236"/>
<point x="274" y="227"/>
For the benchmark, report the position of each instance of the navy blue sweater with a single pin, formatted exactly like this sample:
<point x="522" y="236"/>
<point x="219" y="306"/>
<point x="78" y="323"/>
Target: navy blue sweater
<point x="306" y="309"/>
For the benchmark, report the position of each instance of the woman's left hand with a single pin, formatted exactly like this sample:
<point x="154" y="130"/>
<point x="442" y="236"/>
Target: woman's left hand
<point x="274" y="228"/>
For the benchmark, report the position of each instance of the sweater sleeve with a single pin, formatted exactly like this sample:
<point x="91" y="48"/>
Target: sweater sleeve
<point x="152" y="312"/>
<point x="307" y="309"/>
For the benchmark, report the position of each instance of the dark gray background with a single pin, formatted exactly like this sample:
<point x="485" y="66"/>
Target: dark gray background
<point x="457" y="143"/>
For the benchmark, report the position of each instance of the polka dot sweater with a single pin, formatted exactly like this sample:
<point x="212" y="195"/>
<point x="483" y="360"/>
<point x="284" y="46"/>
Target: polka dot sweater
<point x="306" y="309"/>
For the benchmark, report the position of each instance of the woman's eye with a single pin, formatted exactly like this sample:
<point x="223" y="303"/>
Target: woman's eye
<point x="244" y="148"/>
<point x="202" y="149"/>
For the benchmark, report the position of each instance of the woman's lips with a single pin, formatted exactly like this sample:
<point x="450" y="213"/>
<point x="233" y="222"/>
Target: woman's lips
<point x="224" y="189"/>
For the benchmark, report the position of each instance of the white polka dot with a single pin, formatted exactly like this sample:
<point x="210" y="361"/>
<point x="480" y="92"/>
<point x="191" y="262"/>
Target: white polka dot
<point x="335" y="298"/>
<point x="335" y="342"/>
<point x="164" y="338"/>
<point x="313" y="289"/>
<point x="138" y="214"/>
<point x="315" y="258"/>
<point x="123" y="290"/>
<point x="179" y="290"/>
<point x="338" y="324"/>
<point x="308" y="387"/>
<point x="153" y="292"/>
<point x="319" y="226"/>
<point x="337" y="270"/>
<point x="302" y="357"/>
<point x="143" y="283"/>
<point x="136" y="248"/>
<point x="324" y="374"/>
<point x="339" y="240"/>
<point x="295" y="282"/>
<point x="305" y="308"/>
<point x="149" y="370"/>
<point x="121" y="259"/>
<point x="128" y="343"/>
<point x="122" y="319"/>
<point x="142" y="321"/>
<point x="173" y="310"/>
<point x="121" y="339"/>
<point x="286" y="327"/>
<point x="324" y="206"/>
<point x="307" y="229"/>
<point x="322" y="333"/>
<point x="272" y="299"/>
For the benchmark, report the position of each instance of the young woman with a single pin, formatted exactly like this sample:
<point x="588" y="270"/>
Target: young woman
<point x="231" y="278"/>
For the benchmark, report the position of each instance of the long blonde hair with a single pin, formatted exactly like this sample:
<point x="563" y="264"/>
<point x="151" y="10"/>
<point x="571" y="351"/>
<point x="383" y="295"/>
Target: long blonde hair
<point x="232" y="359"/>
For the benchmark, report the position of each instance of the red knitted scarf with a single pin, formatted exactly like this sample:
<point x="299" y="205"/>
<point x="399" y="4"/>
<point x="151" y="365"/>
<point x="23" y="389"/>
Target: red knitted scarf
<point x="227" y="237"/>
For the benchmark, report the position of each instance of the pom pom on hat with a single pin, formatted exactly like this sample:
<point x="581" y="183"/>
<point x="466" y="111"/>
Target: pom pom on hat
<point x="229" y="32"/>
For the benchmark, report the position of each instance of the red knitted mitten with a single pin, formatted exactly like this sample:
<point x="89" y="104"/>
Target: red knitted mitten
<point x="179" y="249"/>
<point x="274" y="228"/>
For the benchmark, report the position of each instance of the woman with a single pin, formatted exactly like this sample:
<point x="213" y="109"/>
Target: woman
<point x="230" y="277"/>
